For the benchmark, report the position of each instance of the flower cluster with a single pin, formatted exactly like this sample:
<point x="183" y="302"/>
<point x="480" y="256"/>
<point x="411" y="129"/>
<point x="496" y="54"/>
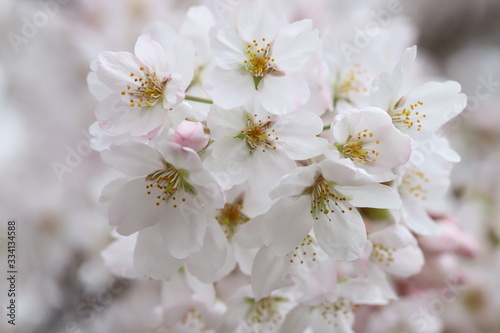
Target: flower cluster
<point x="272" y="184"/>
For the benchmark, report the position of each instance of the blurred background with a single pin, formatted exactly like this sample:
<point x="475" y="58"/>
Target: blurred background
<point x="50" y="179"/>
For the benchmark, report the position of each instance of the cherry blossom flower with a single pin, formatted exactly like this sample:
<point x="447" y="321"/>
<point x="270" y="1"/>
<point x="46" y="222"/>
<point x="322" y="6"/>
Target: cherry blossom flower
<point x="170" y="188"/>
<point x="323" y="196"/>
<point x="144" y="86"/>
<point x="423" y="110"/>
<point x="261" y="61"/>
<point x="246" y="144"/>
<point x="368" y="138"/>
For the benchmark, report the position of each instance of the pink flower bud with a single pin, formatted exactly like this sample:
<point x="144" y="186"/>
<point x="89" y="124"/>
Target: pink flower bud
<point x="191" y="134"/>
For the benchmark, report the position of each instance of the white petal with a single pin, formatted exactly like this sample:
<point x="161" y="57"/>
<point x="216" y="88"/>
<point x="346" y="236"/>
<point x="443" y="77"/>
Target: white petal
<point x="441" y="102"/>
<point x="268" y="272"/>
<point x="230" y="88"/>
<point x="133" y="159"/>
<point x="294" y="45"/>
<point x="297" y="135"/>
<point x="118" y="257"/>
<point x="184" y="62"/>
<point x="287" y="223"/>
<point x="114" y="68"/>
<point x="229" y="162"/>
<point x="151" y="54"/>
<point x="132" y="209"/>
<point x="415" y="217"/>
<point x="183" y="232"/>
<point x="260" y="19"/>
<point x="205" y="263"/>
<point x="372" y="195"/>
<point x="226" y="123"/>
<point x="281" y="94"/>
<point x="227" y="48"/>
<point x="296" y="182"/>
<point x="250" y="234"/>
<point x="344" y="237"/>
<point x="151" y="256"/>
<point x="296" y="320"/>
<point x="174" y="92"/>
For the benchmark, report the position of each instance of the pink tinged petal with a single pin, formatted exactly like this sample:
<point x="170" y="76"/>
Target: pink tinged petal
<point x="371" y="195"/>
<point x="441" y="102"/>
<point x="287" y="223"/>
<point x="297" y="135"/>
<point x="296" y="182"/>
<point x="114" y="68"/>
<point x="259" y="19"/>
<point x="250" y="234"/>
<point x="132" y="209"/>
<point x="282" y="93"/>
<point x="344" y="237"/>
<point x="415" y="217"/>
<point x="184" y="62"/>
<point x="151" y="256"/>
<point x="296" y="320"/>
<point x="226" y="123"/>
<point x="133" y="159"/>
<point x="294" y="45"/>
<point x="227" y="48"/>
<point x="268" y="272"/>
<point x="230" y="88"/>
<point x="183" y="229"/>
<point x="151" y="54"/>
<point x="174" y="92"/>
<point x="205" y="263"/>
<point x="229" y="162"/>
<point x="118" y="257"/>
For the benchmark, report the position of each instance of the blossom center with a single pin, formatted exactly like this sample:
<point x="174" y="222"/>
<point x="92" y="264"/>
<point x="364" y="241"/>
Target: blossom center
<point x="258" y="133"/>
<point x="305" y="252"/>
<point x="266" y="311"/>
<point x="383" y="253"/>
<point x="414" y="183"/>
<point x="354" y="81"/>
<point x="231" y="218"/>
<point x="325" y="199"/>
<point x="168" y="181"/>
<point x="259" y="61"/>
<point x="148" y="88"/>
<point x="355" y="149"/>
<point x="407" y="117"/>
<point x="341" y="307"/>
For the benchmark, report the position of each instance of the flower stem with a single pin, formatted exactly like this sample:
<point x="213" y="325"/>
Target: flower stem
<point x="327" y="127"/>
<point x="198" y="99"/>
